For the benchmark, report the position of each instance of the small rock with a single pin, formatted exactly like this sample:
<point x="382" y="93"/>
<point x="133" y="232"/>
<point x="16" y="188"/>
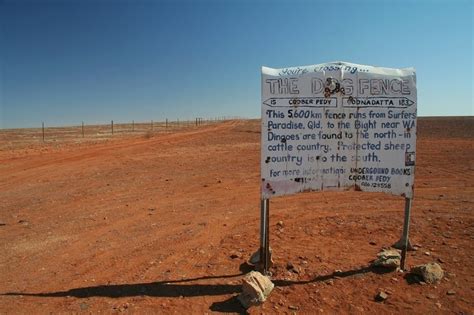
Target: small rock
<point x="255" y="258"/>
<point x="83" y="306"/>
<point x="427" y="253"/>
<point x="431" y="273"/>
<point x="372" y="243"/>
<point x="280" y="224"/>
<point x="451" y="292"/>
<point x="293" y="307"/>
<point x="234" y="256"/>
<point x="122" y="308"/>
<point x="388" y="258"/>
<point x="292" y="268"/>
<point x="381" y="296"/>
<point x="255" y="289"/>
<point x="441" y="260"/>
<point x="431" y="296"/>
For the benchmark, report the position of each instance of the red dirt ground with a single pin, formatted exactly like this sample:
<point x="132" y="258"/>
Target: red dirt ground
<point x="165" y="224"/>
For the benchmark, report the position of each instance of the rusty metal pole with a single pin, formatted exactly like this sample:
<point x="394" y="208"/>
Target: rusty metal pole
<point x="42" y="128"/>
<point x="264" y="235"/>
<point x="406" y="228"/>
<point x="112" y="126"/>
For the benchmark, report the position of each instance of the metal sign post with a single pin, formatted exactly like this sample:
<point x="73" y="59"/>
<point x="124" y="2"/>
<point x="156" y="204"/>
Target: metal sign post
<point x="336" y="126"/>
<point x="264" y="235"/>
<point x="404" y="242"/>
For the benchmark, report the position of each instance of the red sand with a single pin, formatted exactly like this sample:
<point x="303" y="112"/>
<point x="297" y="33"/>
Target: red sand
<point x="150" y="224"/>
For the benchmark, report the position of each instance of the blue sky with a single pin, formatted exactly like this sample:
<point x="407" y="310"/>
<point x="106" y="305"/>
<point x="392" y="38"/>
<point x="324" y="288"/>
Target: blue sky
<point x="63" y="62"/>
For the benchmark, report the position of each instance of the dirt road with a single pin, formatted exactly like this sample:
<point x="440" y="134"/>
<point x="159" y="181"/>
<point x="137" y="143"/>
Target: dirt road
<point x="165" y="224"/>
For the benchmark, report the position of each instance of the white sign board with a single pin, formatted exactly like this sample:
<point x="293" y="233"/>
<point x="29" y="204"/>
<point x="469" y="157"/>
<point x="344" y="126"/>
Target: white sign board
<point x="337" y="126"/>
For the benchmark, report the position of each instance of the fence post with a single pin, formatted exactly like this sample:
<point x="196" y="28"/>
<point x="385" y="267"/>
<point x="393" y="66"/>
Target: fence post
<point x="83" y="129"/>
<point x="42" y="128"/>
<point x="152" y="125"/>
<point x="166" y="123"/>
<point x="133" y="125"/>
<point x="112" y="126"/>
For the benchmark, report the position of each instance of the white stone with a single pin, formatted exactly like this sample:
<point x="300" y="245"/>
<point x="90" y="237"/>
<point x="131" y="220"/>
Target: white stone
<point x="255" y="289"/>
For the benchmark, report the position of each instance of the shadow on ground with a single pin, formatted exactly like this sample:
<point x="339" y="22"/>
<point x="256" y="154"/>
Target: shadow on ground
<point x="184" y="288"/>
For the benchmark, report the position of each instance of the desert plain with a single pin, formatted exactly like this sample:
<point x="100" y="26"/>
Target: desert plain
<point x="164" y="221"/>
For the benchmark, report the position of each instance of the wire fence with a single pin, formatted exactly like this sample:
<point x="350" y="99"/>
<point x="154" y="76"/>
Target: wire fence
<point x="84" y="131"/>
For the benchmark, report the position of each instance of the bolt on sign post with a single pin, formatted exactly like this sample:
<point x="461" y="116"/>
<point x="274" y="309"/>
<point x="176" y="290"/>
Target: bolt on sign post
<point x="337" y="126"/>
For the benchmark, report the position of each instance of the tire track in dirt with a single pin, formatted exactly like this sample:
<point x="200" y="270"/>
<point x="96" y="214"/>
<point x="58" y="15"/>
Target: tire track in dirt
<point x="41" y="163"/>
